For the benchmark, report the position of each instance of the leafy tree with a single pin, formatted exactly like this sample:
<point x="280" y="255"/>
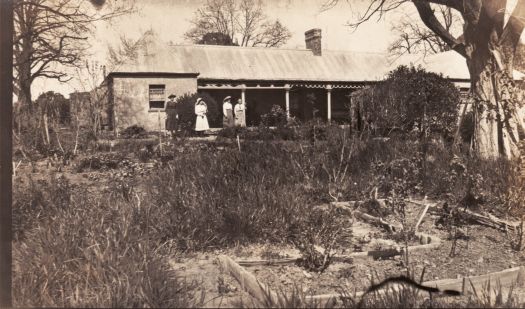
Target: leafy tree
<point x="242" y="21"/>
<point x="217" y="38"/>
<point x="488" y="42"/>
<point x="412" y="99"/>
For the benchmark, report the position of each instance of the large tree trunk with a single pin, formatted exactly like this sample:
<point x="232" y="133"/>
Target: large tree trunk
<point x="24" y="79"/>
<point x="497" y="121"/>
<point x="496" y="106"/>
<point x="25" y="94"/>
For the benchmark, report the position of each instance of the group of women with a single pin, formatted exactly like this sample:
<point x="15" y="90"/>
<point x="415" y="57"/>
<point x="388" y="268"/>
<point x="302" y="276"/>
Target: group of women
<point x="232" y="115"/>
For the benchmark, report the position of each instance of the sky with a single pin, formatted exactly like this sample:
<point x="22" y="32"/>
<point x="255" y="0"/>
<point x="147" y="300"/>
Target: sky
<point x="170" y="19"/>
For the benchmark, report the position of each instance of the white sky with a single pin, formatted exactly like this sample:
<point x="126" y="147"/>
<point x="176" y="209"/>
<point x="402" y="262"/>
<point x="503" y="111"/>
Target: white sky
<point x="170" y="19"/>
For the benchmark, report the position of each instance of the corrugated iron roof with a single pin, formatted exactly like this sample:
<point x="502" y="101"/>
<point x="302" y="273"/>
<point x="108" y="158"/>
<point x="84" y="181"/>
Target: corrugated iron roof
<point x="449" y="63"/>
<point x="267" y="64"/>
<point x="253" y="63"/>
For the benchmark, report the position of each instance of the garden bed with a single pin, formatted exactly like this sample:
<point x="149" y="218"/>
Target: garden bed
<point x="480" y="254"/>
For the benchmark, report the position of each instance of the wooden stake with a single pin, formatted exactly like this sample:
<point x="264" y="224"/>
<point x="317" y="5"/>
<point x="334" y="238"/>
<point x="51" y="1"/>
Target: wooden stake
<point x="160" y="134"/>
<point x="16" y="167"/>
<point x="239" y="143"/>
<point x="76" y="137"/>
<point x="422" y="214"/>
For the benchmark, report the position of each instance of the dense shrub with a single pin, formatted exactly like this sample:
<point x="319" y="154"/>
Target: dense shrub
<point x="411" y="99"/>
<point x="186" y="107"/>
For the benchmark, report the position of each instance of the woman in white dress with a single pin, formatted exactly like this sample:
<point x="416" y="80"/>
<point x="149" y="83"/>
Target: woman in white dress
<point x="240" y="114"/>
<point x="201" y="124"/>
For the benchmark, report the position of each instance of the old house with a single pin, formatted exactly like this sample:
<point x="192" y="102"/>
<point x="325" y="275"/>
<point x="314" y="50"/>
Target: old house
<point x="306" y="83"/>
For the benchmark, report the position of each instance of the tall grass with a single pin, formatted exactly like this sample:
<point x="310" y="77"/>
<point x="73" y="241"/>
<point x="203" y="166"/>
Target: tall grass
<point x="92" y="252"/>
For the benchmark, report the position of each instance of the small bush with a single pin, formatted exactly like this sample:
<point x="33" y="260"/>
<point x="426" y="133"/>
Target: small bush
<point x="100" y="162"/>
<point x="133" y="131"/>
<point x="233" y="132"/>
<point x="276" y="117"/>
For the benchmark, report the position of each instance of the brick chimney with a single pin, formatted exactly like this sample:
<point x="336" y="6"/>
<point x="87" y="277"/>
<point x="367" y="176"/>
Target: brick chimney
<point x="312" y="39"/>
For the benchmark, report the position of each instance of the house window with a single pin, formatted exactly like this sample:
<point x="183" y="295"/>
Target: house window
<point x="157" y="96"/>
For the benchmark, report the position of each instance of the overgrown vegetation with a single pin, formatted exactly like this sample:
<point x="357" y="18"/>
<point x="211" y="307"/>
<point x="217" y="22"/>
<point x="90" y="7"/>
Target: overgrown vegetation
<point x="73" y="247"/>
<point x="212" y="195"/>
<point x="84" y="251"/>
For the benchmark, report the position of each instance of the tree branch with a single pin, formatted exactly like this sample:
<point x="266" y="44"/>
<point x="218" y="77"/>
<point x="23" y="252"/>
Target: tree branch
<point x="429" y="19"/>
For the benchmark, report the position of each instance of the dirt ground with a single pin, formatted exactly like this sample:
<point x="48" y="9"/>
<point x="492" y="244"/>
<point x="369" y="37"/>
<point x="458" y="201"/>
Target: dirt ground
<point x="486" y="251"/>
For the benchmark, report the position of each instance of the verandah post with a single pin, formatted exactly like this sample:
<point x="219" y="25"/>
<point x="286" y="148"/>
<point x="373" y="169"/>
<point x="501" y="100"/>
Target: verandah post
<point x="243" y="102"/>
<point x="329" y="102"/>
<point x="287" y="96"/>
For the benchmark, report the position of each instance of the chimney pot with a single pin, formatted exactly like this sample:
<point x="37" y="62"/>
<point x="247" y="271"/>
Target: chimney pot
<point x="312" y="39"/>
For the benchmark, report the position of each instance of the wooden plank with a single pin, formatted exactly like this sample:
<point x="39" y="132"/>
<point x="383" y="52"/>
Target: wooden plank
<point x="506" y="278"/>
<point x="285" y="261"/>
<point x="248" y="281"/>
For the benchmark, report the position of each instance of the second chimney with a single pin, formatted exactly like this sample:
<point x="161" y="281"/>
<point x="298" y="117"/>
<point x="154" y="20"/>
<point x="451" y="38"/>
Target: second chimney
<point x="312" y="39"/>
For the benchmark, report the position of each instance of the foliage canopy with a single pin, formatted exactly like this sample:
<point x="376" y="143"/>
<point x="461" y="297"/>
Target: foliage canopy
<point x="411" y="99"/>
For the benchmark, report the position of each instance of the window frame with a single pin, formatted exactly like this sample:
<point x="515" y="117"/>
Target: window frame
<point x="163" y="95"/>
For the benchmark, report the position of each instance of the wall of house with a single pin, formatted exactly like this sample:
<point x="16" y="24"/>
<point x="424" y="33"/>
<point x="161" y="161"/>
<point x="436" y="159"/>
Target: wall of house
<point x="131" y="99"/>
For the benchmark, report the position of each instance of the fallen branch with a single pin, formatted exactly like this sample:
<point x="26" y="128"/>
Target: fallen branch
<point x="248" y="281"/>
<point x="487" y="220"/>
<point x="346" y="207"/>
<point x="391" y="228"/>
<point x="490" y="220"/>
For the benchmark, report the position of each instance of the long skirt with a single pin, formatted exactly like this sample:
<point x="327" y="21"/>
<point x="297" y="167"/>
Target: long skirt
<point x="228" y="121"/>
<point x="240" y="118"/>
<point x="201" y="124"/>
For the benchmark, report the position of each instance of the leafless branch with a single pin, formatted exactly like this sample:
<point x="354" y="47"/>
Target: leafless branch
<point x="243" y="21"/>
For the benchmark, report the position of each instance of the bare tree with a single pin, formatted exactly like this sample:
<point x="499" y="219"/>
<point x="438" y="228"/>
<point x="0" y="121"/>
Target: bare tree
<point x="52" y="34"/>
<point x="243" y="21"/>
<point x="414" y="37"/>
<point x="95" y="103"/>
<point x="488" y="43"/>
<point x="128" y="49"/>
